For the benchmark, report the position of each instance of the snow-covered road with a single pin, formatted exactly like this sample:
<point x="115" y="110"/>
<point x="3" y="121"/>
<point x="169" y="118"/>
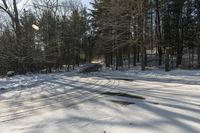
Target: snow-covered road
<point x="140" y="102"/>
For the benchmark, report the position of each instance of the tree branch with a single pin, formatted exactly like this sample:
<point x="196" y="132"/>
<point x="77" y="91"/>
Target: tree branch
<point x="5" y="4"/>
<point x="6" y="10"/>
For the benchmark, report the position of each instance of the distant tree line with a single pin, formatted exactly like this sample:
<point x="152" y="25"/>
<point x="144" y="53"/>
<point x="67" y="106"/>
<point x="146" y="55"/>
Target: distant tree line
<point x="63" y="37"/>
<point x="128" y="30"/>
<point x="123" y="33"/>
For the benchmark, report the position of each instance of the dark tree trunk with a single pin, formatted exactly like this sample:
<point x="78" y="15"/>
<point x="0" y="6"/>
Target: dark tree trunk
<point x="160" y="53"/>
<point x="77" y="60"/>
<point x="189" y="57"/>
<point x="192" y="57"/>
<point x="119" y="58"/>
<point x="90" y="56"/>
<point x="179" y="40"/>
<point x="158" y="33"/>
<point x="199" y="57"/>
<point x="167" y="60"/>
<point x="138" y="54"/>
<point x="108" y="59"/>
<point x="134" y="55"/>
<point x="116" y="60"/>
<point x="129" y="59"/>
<point x="142" y="51"/>
<point x="141" y="39"/>
<point x="73" y="62"/>
<point x="198" y="15"/>
<point x="146" y="58"/>
<point x="20" y="46"/>
<point x="179" y="55"/>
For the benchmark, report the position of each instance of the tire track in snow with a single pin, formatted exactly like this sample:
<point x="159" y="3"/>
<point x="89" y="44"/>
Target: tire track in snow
<point x="30" y="112"/>
<point x="76" y="100"/>
<point x="51" y="97"/>
<point x="33" y="90"/>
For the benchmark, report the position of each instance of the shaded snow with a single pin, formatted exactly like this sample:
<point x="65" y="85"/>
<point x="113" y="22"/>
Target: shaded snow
<point x="73" y="103"/>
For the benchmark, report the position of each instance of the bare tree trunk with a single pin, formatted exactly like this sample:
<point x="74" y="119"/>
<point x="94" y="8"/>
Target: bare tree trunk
<point x="167" y="60"/>
<point x="117" y="62"/>
<point x="199" y="57"/>
<point x="198" y="15"/>
<point x="119" y="58"/>
<point x="108" y="59"/>
<point x="158" y="32"/>
<point x="192" y="57"/>
<point x="129" y="59"/>
<point x="142" y="50"/>
<point x="179" y="40"/>
<point x="160" y="54"/>
<point x="146" y="58"/>
<point x="138" y="54"/>
<point x="14" y="15"/>
<point x="134" y="55"/>
<point x="189" y="57"/>
<point x="179" y="55"/>
<point x="141" y="30"/>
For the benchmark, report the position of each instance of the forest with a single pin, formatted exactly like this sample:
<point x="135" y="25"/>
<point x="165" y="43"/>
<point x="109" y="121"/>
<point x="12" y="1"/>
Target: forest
<point x="100" y="66"/>
<point x="56" y="34"/>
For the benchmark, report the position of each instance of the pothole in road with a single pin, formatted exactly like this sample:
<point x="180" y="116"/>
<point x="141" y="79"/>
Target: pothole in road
<point x="122" y="102"/>
<point x="2" y="89"/>
<point x="127" y="99"/>
<point x="122" y="79"/>
<point x="123" y="95"/>
<point x="154" y="103"/>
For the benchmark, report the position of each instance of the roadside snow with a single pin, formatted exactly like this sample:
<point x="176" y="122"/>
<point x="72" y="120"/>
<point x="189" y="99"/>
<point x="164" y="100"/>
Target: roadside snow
<point x="75" y="103"/>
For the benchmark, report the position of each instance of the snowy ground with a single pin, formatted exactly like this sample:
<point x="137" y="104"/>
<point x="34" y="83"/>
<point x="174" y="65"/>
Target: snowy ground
<point x="159" y="102"/>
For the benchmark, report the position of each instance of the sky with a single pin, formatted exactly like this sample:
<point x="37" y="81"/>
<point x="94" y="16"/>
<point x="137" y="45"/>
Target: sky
<point x="86" y="2"/>
<point x="22" y="2"/>
<point x="27" y="2"/>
